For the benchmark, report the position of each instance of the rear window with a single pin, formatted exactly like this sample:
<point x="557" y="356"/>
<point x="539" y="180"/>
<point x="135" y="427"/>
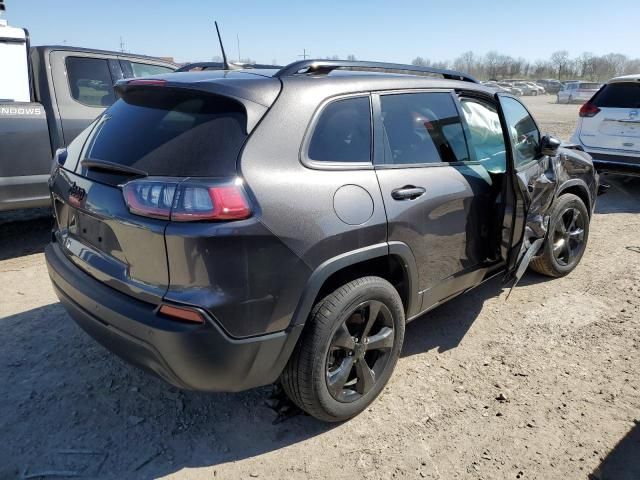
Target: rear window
<point x="588" y="86"/>
<point x="172" y="132"/>
<point x="618" y="95"/>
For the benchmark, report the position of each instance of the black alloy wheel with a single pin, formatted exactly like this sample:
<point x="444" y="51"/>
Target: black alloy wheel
<point x="568" y="236"/>
<point x="359" y="351"/>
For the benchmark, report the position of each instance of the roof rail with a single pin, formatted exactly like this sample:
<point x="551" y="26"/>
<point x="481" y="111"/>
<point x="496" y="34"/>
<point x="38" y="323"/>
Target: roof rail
<point x="319" y="67"/>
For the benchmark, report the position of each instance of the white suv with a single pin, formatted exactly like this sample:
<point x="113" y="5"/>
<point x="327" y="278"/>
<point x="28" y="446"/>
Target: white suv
<point x="609" y="126"/>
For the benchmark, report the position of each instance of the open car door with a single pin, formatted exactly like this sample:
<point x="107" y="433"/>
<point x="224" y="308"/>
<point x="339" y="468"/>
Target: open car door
<point x="531" y="187"/>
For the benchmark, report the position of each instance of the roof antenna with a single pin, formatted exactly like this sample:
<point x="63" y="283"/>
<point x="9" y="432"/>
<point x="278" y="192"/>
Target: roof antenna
<point x="225" y="63"/>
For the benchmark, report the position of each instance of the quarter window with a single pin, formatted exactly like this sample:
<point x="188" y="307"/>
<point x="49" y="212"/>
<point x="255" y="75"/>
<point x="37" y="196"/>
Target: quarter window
<point x="525" y="137"/>
<point x="343" y="132"/>
<point x="486" y="139"/>
<point x="90" y="81"/>
<point x="422" y="128"/>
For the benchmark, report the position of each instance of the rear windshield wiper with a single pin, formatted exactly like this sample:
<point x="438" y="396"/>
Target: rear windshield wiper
<point x="104" y="165"/>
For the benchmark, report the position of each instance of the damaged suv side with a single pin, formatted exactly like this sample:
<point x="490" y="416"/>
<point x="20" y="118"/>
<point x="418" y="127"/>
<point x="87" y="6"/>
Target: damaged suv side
<point x="265" y="225"/>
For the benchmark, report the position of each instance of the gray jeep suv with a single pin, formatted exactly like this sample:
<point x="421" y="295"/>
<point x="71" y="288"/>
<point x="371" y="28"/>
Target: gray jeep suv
<point x="231" y="229"/>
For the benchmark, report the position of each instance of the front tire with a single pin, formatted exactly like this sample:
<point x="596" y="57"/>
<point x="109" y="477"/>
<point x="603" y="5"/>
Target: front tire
<point x="348" y="350"/>
<point x="566" y="239"/>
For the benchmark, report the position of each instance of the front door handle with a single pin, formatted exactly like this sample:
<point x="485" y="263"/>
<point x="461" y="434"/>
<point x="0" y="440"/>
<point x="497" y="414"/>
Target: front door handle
<point x="408" y="192"/>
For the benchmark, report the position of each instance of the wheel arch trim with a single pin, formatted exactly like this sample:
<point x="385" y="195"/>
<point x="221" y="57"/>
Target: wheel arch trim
<point x="322" y="273"/>
<point x="579" y="184"/>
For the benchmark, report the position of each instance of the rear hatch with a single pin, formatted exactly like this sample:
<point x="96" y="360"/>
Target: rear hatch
<point x="151" y="141"/>
<point x="585" y="91"/>
<point x="616" y="122"/>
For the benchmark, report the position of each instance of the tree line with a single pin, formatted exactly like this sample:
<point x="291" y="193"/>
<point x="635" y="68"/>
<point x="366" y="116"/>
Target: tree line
<point x="560" y="65"/>
<point x="495" y="66"/>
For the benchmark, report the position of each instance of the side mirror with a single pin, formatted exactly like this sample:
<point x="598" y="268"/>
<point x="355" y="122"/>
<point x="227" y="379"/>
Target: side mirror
<point x="549" y="145"/>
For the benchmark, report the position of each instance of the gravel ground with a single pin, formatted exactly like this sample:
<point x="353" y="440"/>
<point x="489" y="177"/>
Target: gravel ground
<point x="544" y="385"/>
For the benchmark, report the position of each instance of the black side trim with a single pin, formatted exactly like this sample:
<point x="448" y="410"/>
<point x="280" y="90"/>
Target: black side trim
<point x="12" y="40"/>
<point x="331" y="266"/>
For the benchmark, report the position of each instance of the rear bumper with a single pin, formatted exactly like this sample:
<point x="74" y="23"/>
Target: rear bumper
<point x="193" y="357"/>
<point x="621" y="164"/>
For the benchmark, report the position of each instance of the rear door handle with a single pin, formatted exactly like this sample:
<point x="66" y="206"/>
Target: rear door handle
<point x="408" y="192"/>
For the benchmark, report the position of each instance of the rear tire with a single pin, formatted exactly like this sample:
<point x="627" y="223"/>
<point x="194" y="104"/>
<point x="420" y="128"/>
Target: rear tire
<point x="326" y="374"/>
<point x="566" y="239"/>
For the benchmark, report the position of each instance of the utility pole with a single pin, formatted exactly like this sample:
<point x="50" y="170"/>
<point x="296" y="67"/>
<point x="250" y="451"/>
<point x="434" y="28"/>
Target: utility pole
<point x="238" y="38"/>
<point x="304" y="55"/>
<point x="122" y="45"/>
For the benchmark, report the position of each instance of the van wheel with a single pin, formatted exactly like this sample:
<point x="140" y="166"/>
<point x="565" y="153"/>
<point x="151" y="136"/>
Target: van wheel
<point x="566" y="239"/>
<point x="347" y="351"/>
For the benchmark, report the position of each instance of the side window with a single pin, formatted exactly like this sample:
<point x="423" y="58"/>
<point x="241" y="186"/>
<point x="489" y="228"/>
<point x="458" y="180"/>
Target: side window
<point x="343" y="132"/>
<point x="146" y="70"/>
<point x="524" y="134"/>
<point x="422" y="128"/>
<point x="486" y="138"/>
<point x="90" y="82"/>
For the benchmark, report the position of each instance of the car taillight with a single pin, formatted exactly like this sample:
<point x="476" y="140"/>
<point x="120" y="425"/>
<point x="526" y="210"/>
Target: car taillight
<point x="589" y="110"/>
<point x="189" y="201"/>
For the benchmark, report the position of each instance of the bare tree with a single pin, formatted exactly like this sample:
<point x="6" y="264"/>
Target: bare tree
<point x="495" y="65"/>
<point x="351" y="57"/>
<point x="560" y="60"/>
<point x="492" y="61"/>
<point x="420" y="62"/>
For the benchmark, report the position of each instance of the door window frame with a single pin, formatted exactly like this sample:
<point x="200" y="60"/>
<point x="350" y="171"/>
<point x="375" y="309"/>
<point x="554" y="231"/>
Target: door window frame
<point x="511" y="166"/>
<point x="378" y="130"/>
<point x="490" y="99"/>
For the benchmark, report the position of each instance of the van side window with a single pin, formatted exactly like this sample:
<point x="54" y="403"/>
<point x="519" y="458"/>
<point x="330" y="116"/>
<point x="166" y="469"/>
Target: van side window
<point x="146" y="70"/>
<point x="486" y="137"/>
<point x="422" y="128"/>
<point x="343" y="132"/>
<point x="90" y="81"/>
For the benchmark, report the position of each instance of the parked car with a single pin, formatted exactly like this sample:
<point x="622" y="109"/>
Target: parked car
<point x="550" y="86"/>
<point x="252" y="229"/>
<point x="511" y="88"/>
<point x="539" y="88"/>
<point x="577" y="91"/>
<point x="497" y="87"/>
<point x="609" y="126"/>
<point x="48" y="95"/>
<point x="527" y="89"/>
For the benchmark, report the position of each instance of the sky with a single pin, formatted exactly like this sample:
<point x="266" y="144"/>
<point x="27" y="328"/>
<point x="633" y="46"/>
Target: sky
<point x="280" y="30"/>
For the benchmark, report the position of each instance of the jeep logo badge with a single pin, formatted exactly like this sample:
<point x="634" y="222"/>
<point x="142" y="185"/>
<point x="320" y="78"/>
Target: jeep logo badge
<point x="76" y="194"/>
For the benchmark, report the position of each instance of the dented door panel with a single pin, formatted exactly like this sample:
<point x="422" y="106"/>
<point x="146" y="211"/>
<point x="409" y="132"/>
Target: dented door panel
<point x="535" y="182"/>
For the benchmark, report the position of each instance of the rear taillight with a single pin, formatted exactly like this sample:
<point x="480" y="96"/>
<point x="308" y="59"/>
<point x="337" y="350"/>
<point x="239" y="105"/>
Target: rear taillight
<point x="197" y="200"/>
<point x="588" y="110"/>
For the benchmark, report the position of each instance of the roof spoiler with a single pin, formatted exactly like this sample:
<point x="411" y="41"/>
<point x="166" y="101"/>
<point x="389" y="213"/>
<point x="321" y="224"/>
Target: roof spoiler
<point x="324" y="67"/>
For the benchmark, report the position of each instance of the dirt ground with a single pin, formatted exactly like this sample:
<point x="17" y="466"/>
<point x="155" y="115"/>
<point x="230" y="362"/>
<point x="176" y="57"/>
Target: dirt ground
<point x="544" y="385"/>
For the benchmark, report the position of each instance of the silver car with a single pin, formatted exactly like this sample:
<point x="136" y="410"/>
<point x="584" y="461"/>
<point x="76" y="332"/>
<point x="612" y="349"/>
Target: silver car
<point x="578" y="92"/>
